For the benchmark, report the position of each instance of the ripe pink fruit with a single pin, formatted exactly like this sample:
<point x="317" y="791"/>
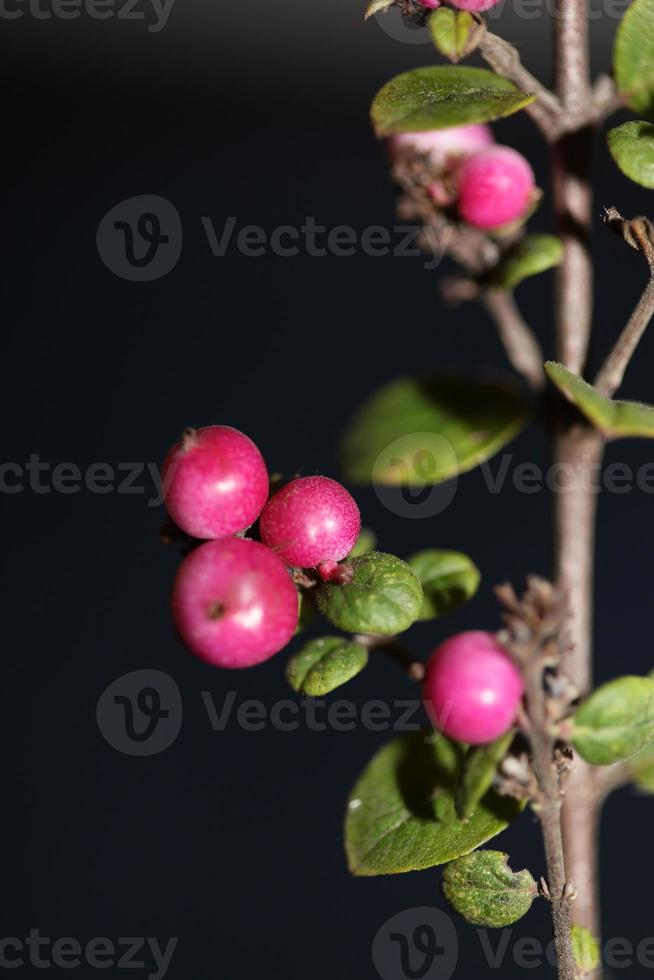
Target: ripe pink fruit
<point x="215" y="482"/>
<point x="472" y="689"/>
<point x="309" y="521"/>
<point x="444" y="145"/>
<point x="496" y="187"/>
<point x="234" y="603"/>
<point x="432" y="4"/>
<point x="475" y="6"/>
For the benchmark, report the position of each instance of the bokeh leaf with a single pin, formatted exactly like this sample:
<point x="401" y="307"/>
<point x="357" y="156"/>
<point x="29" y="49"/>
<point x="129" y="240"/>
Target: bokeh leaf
<point x="482" y="888"/>
<point x="378" y="7"/>
<point x="532" y="255"/>
<point x="615" y="722"/>
<point x="456" y="33"/>
<point x="448" y="579"/>
<point x="632" y="147"/>
<point x="401" y="814"/>
<point x="614" y="419"/>
<point x="384" y="596"/>
<point x="365" y="542"/>
<point x="586" y="950"/>
<point x="440" y="96"/>
<point x="418" y="432"/>
<point x="325" y="664"/>
<point x="633" y="57"/>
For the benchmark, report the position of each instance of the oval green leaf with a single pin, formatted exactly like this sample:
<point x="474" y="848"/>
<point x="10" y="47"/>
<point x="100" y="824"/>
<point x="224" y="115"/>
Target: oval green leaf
<point x="456" y="33"/>
<point x="401" y="814"/>
<point x="615" y="722"/>
<point x="586" y="950"/>
<point x="477" y="773"/>
<point x="614" y="419"/>
<point x="325" y="664"/>
<point x="633" y="57"/>
<point x="419" y="432"/>
<point x="482" y="888"/>
<point x="448" y="579"/>
<point x="444" y="95"/>
<point x="642" y="769"/>
<point x="384" y="596"/>
<point x="532" y="255"/>
<point x="632" y="147"/>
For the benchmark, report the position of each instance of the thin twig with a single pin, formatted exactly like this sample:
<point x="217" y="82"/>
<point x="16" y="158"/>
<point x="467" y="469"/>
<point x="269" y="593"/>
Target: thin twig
<point x="504" y="59"/>
<point x="520" y="344"/>
<point x="639" y="234"/>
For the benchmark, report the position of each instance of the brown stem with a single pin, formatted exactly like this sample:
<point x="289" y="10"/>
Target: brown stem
<point x="414" y="669"/>
<point x="610" y="376"/>
<point x="520" y="344"/>
<point x="505" y="60"/>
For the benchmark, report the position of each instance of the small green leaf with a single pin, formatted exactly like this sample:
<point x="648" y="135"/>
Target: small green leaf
<point x="586" y="950"/>
<point x="456" y="33"/>
<point x="378" y="7"/>
<point x="632" y="147"/>
<point x="325" y="664"/>
<point x="532" y="255"/>
<point x="477" y="773"/>
<point x="642" y="769"/>
<point x="365" y="543"/>
<point x="633" y="59"/>
<point x="483" y="889"/>
<point x="401" y="814"/>
<point x="614" y="419"/>
<point x="417" y="432"/>
<point x="615" y="722"/>
<point x="306" y="612"/>
<point x="448" y="579"/>
<point x="443" y="95"/>
<point x="384" y="596"/>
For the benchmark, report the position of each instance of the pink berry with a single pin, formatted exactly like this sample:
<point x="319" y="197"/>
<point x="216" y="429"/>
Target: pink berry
<point x="234" y="604"/>
<point x="432" y="4"/>
<point x="215" y="482"/>
<point x="309" y="521"/>
<point x="444" y="145"/>
<point x="472" y="689"/>
<point x="475" y="6"/>
<point x="496" y="187"/>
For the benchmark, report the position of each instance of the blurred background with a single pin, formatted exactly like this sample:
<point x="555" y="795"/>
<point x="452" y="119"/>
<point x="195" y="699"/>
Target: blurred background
<point x="231" y="840"/>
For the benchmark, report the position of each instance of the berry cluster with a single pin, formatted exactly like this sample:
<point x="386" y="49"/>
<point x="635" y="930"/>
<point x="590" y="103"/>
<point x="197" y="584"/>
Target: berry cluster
<point x="235" y="598"/>
<point x="234" y="602"/>
<point x="489" y="186"/>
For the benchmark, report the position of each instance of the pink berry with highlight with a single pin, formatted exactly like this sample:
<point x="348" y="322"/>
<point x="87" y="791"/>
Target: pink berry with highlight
<point x="472" y="688"/>
<point x="309" y="521"/>
<point x="234" y="604"/>
<point x="496" y="187"/>
<point x="215" y="482"/>
<point x="474" y="6"/>
<point x="444" y="145"/>
<point x="431" y="4"/>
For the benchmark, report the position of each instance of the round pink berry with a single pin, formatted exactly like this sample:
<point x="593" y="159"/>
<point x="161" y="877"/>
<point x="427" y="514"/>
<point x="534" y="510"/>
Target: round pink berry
<point x="234" y="604"/>
<point x="496" y="187"/>
<point x="474" y="6"/>
<point x="472" y="689"/>
<point x="444" y="145"/>
<point x="431" y="4"/>
<point x="309" y="521"/>
<point x="215" y="482"/>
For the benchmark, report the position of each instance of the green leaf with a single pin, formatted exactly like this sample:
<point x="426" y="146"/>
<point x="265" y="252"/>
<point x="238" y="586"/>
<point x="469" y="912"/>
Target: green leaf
<point x="325" y="664"/>
<point x="306" y="612"/>
<point x="632" y="147"/>
<point x="456" y="33"/>
<point x="633" y="57"/>
<point x="417" y="432"/>
<point x="477" y="773"/>
<point x="448" y="579"/>
<point x="586" y="950"/>
<point x="384" y="596"/>
<point x="401" y="814"/>
<point x="443" y="95"/>
<point x="642" y="769"/>
<point x="482" y="888"/>
<point x="615" y="722"/>
<point x="378" y="7"/>
<point x="614" y="419"/>
<point x="365" y="543"/>
<point x="532" y="255"/>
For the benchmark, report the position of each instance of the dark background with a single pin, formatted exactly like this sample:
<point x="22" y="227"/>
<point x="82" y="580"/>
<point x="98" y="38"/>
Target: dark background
<point x="232" y="841"/>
